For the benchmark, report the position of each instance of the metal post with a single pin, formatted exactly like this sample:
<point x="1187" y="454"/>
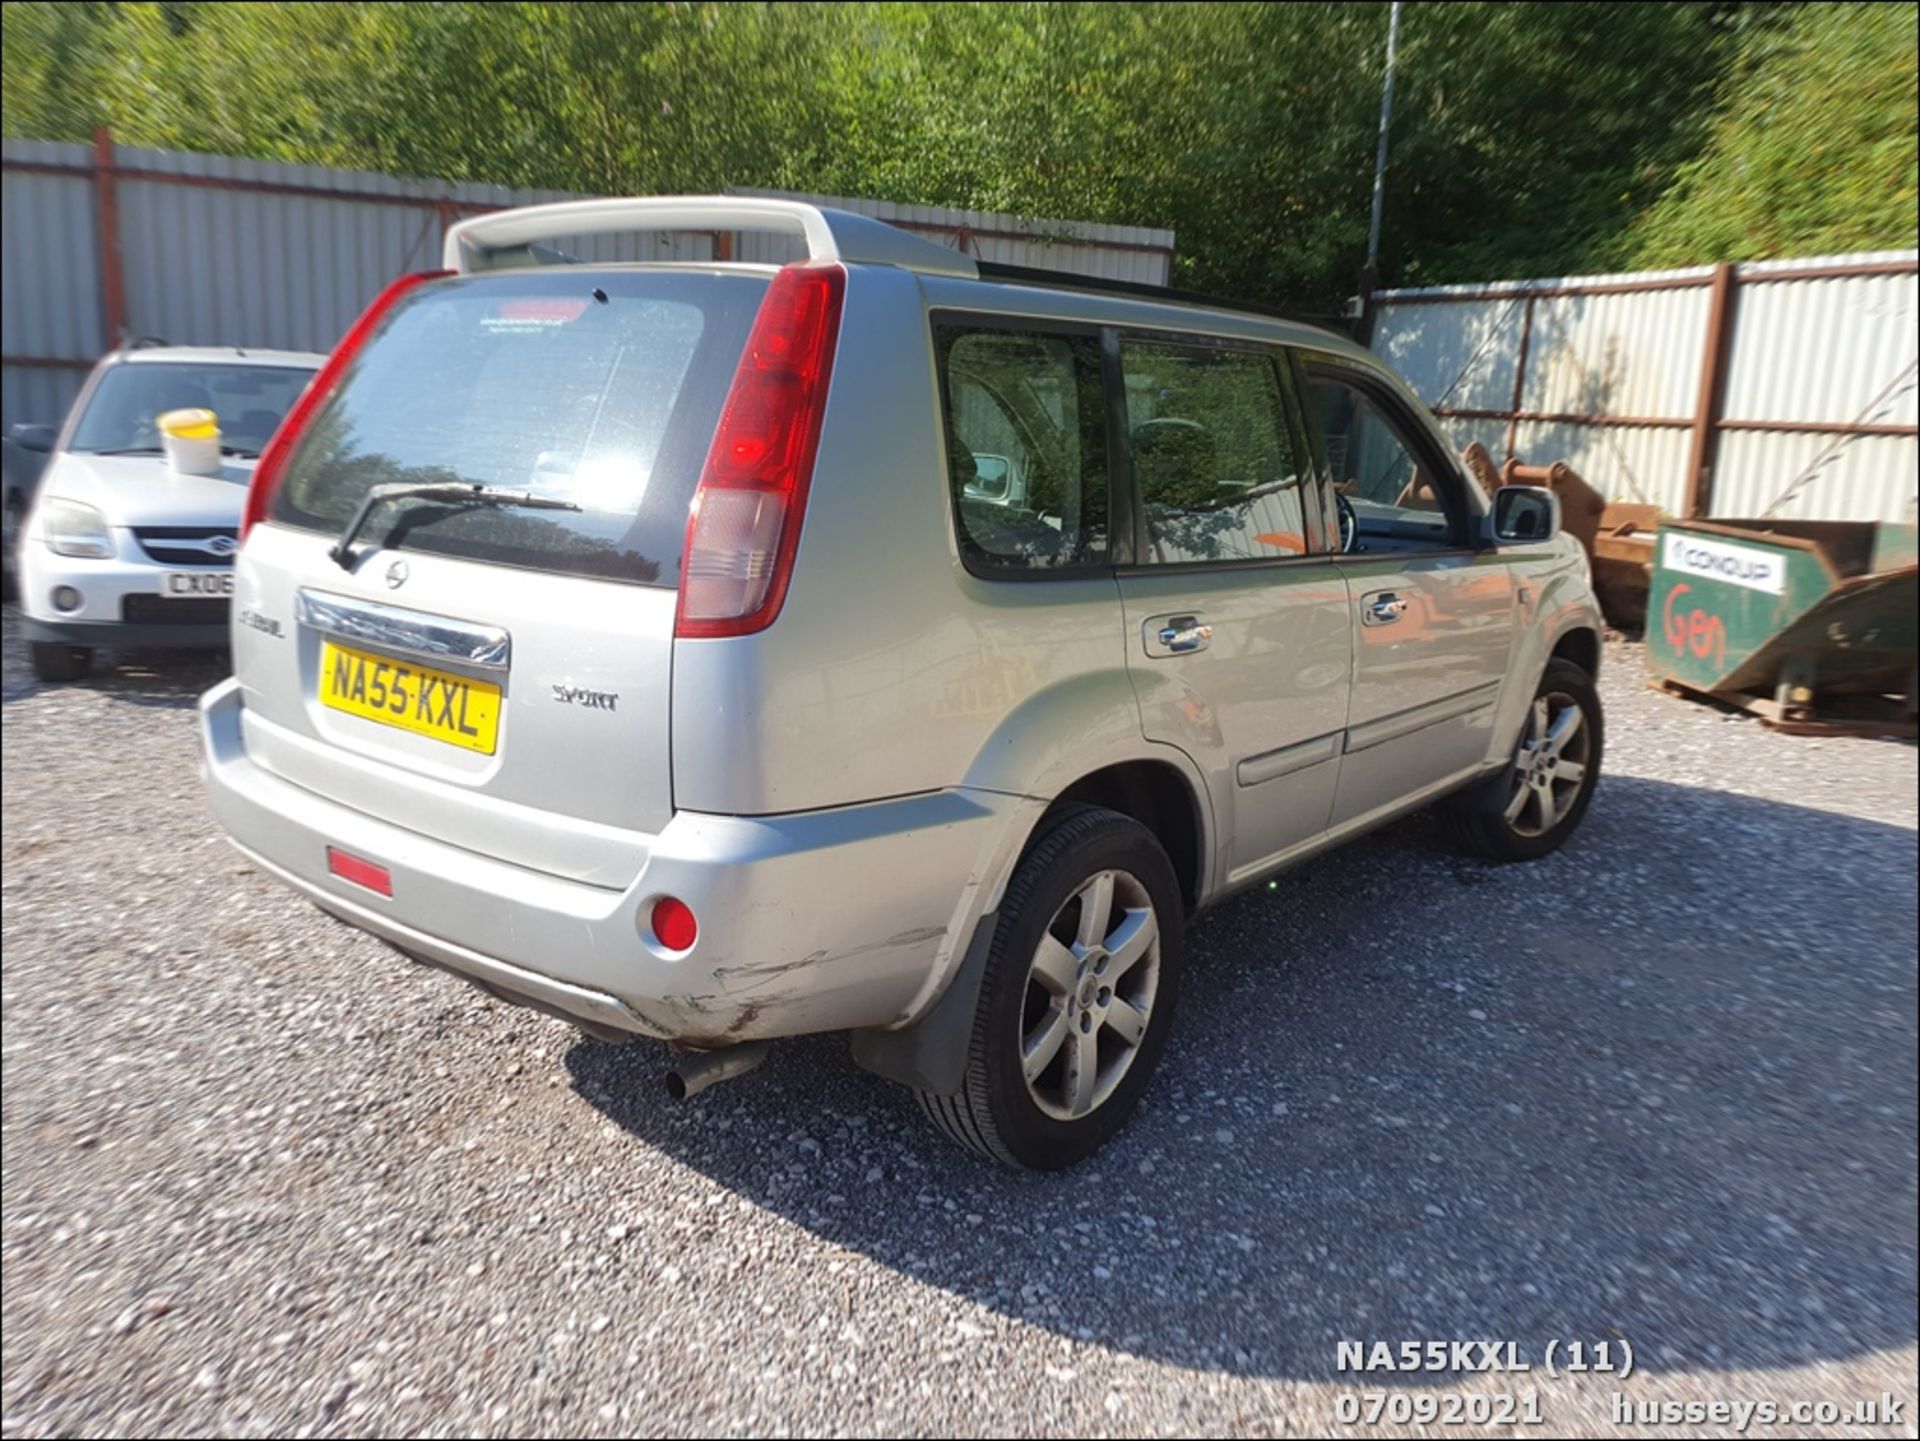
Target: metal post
<point x="1520" y="377"/>
<point x="113" y="280"/>
<point x="1713" y="380"/>
<point x="1380" y="154"/>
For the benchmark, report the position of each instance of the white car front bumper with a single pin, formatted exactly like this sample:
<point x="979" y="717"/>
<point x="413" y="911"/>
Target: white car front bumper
<point x="119" y="600"/>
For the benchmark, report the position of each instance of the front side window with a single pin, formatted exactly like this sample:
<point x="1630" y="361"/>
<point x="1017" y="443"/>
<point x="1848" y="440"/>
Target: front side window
<point x="1212" y="454"/>
<point x="598" y="388"/>
<point x="247" y="400"/>
<point x="1026" y="457"/>
<point x="1388" y="500"/>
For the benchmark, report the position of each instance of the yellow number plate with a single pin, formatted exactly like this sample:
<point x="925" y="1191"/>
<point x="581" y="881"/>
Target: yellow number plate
<point x="410" y="697"/>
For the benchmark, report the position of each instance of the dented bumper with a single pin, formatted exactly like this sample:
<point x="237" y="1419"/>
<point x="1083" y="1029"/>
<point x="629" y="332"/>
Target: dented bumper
<point x="821" y="921"/>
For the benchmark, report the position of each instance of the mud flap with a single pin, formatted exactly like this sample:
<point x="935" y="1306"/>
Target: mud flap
<point x="931" y="1054"/>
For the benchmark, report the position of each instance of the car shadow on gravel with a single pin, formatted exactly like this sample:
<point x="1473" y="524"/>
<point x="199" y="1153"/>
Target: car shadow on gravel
<point x="1660" y="1087"/>
<point x="163" y="679"/>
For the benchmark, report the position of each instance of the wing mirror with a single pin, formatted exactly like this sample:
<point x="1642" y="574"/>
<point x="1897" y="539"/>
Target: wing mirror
<point x="37" y="438"/>
<point x="1525" y="513"/>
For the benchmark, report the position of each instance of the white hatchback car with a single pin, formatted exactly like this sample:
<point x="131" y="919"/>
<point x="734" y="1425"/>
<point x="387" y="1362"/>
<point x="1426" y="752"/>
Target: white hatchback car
<point x="121" y="549"/>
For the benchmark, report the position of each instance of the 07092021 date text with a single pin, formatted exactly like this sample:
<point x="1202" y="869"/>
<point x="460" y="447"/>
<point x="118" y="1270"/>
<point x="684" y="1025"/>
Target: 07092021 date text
<point x="1405" y="1408"/>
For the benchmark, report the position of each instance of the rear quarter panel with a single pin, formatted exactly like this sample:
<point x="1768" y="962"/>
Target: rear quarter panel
<point x="890" y="669"/>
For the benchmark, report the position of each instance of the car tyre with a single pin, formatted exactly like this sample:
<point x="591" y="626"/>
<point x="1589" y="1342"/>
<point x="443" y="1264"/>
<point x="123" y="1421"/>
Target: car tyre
<point x="1077" y="996"/>
<point x="1530" y="807"/>
<point x="14" y="521"/>
<point x="55" y="662"/>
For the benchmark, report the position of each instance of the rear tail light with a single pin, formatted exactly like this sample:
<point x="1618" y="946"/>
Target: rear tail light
<point x="273" y="460"/>
<point x="745" y="524"/>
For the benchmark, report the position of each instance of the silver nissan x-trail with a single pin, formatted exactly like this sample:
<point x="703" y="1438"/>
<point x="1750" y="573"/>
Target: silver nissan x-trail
<point x="886" y="643"/>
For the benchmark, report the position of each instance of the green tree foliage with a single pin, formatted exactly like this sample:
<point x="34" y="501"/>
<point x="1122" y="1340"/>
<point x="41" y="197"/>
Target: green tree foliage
<point x="1528" y="138"/>
<point x="1813" y="149"/>
<point x="51" y="65"/>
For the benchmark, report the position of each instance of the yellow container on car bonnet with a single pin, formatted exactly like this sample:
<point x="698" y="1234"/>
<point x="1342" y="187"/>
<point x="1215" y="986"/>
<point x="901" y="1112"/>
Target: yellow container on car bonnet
<point x="191" y="439"/>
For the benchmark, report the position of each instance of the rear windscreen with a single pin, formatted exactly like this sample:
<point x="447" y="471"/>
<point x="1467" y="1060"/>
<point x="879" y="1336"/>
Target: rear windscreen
<point x="594" y="387"/>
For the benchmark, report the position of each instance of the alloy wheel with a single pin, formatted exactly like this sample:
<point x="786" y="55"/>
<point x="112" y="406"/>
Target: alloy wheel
<point x="1550" y="768"/>
<point x="1090" y="993"/>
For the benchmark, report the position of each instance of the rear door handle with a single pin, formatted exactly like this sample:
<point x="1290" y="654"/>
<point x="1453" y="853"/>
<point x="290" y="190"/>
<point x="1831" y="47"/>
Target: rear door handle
<point x="1382" y="607"/>
<point x="1176" y="634"/>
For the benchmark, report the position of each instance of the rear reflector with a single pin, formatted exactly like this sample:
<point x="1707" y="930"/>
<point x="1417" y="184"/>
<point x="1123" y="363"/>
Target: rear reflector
<point x="273" y="460"/>
<point x="745" y="524"/>
<point x="674" y="925"/>
<point x="361" y="873"/>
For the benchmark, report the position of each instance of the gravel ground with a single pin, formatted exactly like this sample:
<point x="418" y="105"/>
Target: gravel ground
<point x="263" y="1177"/>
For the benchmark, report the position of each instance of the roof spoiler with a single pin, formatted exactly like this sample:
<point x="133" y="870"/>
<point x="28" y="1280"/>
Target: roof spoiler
<point x="505" y="239"/>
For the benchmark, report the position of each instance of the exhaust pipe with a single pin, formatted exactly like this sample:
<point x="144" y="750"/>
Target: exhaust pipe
<point x="697" y="1070"/>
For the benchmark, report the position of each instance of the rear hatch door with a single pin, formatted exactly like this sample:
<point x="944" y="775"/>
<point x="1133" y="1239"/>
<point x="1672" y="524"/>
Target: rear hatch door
<point x="495" y="675"/>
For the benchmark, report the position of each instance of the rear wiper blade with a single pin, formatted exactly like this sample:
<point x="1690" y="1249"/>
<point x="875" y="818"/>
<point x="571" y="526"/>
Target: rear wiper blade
<point x="452" y="493"/>
<point x="128" y="450"/>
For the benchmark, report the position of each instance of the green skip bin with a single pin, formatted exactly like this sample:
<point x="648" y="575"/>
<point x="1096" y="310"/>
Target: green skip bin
<point x="1811" y="625"/>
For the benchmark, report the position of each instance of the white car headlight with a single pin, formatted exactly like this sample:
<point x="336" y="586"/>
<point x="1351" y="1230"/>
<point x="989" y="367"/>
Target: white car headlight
<point x="76" y="529"/>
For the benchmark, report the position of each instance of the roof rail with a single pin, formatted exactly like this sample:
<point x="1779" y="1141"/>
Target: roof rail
<point x="505" y="238"/>
<point x="1100" y="285"/>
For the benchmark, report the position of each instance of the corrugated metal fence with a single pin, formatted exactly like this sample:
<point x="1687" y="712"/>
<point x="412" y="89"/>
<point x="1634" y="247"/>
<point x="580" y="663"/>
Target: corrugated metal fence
<point x="1780" y="388"/>
<point x="102" y="242"/>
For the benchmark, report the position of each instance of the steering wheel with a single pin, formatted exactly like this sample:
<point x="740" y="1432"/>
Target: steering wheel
<point x="1349" y="524"/>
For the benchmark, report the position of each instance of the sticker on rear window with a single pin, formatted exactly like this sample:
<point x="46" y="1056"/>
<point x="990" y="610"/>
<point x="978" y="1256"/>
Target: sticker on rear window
<point x="541" y="314"/>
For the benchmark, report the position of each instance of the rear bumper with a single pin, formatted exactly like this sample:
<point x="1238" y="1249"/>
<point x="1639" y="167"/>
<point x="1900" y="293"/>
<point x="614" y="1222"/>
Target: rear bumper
<point x="830" y="920"/>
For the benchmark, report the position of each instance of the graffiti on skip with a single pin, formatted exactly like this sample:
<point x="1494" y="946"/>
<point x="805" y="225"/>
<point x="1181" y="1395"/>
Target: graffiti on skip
<point x="1698" y="631"/>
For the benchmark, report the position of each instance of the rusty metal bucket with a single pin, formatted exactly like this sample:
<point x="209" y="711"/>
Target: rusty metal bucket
<point x="1622" y="555"/>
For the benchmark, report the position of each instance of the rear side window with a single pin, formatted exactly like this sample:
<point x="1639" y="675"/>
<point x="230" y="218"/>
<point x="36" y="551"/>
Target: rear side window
<point x="1026" y="448"/>
<point x="594" y="387"/>
<point x="1212" y="454"/>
